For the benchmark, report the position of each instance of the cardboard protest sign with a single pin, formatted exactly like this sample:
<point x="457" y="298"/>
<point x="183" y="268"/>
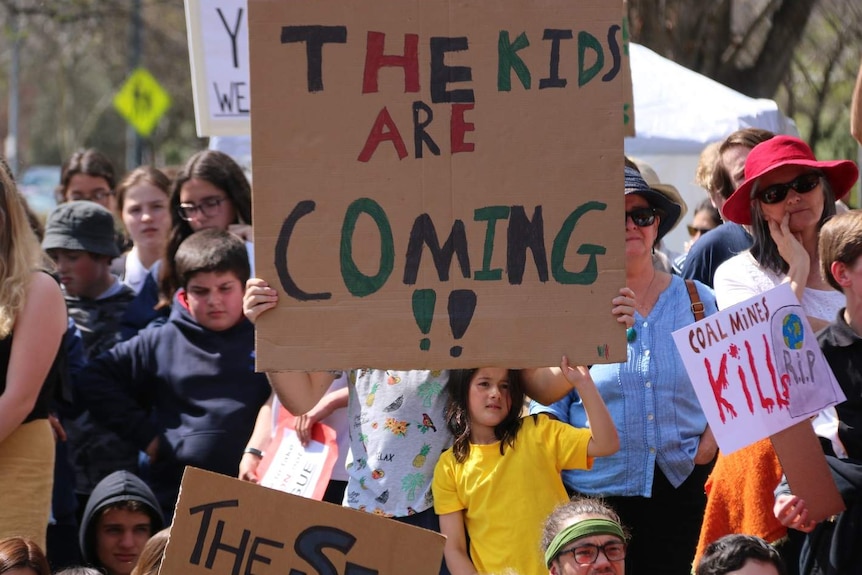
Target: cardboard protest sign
<point x="218" y="54"/>
<point x="807" y="472"/>
<point x="757" y="368"/>
<point x="628" y="88"/>
<point x="223" y="525"/>
<point x="437" y="183"/>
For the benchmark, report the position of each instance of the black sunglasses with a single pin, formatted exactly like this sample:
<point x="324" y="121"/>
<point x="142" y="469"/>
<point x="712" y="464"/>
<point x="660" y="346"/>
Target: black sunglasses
<point x="777" y="192"/>
<point x="642" y="217"/>
<point x="693" y="231"/>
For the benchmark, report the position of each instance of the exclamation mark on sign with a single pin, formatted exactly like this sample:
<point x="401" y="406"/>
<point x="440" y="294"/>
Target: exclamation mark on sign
<point x="423" y="311"/>
<point x="462" y="304"/>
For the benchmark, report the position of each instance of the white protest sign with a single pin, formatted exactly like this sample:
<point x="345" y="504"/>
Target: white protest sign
<point x="756" y="368"/>
<point x="297" y="469"/>
<point x="218" y="53"/>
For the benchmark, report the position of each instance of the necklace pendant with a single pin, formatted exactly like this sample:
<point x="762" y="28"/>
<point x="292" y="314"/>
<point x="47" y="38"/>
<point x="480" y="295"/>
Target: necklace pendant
<point x="631" y="335"/>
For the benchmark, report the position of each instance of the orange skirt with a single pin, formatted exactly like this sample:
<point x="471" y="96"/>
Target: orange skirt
<point x="26" y="481"/>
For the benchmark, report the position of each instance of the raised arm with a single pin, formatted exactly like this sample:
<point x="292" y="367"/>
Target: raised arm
<point x="298" y="391"/>
<point x="605" y="440"/>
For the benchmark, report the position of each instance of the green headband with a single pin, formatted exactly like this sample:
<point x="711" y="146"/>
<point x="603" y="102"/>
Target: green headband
<point x="581" y="529"/>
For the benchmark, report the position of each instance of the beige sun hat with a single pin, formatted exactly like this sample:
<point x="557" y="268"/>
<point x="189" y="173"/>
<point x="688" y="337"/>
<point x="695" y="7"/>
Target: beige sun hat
<point x="669" y="191"/>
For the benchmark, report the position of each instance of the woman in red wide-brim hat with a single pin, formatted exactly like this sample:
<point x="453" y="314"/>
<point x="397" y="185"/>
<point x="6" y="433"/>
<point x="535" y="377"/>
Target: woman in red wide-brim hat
<point x="786" y="197"/>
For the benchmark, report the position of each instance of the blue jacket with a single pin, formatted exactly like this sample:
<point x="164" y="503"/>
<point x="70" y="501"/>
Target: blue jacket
<point x="651" y="400"/>
<point x="193" y="388"/>
<point x="714" y="249"/>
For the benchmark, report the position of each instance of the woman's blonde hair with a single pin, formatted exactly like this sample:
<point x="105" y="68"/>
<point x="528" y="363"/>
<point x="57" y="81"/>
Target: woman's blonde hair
<point x="20" y="253"/>
<point x="152" y="554"/>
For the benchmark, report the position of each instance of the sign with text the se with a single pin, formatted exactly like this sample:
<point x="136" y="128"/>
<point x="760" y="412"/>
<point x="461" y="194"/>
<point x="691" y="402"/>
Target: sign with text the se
<point x="437" y="183"/>
<point x="224" y="525"/>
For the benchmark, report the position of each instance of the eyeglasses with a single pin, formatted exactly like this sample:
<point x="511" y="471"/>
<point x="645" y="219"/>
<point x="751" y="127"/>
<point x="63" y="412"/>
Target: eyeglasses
<point x="642" y="217"/>
<point x="208" y="207"/>
<point x="94" y="196"/>
<point x="588" y="553"/>
<point x="777" y="192"/>
<point x="693" y="231"/>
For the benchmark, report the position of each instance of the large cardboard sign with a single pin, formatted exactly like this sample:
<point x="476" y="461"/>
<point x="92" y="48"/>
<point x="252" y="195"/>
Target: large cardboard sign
<point x="757" y="368"/>
<point x="218" y="53"/>
<point x="437" y="183"/>
<point x="226" y="526"/>
<point x="628" y="88"/>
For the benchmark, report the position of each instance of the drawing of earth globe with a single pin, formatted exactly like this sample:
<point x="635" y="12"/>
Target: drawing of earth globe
<point x="791" y="329"/>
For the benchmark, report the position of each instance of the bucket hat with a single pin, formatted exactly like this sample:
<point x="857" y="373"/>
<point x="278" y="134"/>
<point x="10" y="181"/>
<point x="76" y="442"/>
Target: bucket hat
<point x="775" y="153"/>
<point x="669" y="211"/>
<point x="81" y="225"/>
<point x="651" y="178"/>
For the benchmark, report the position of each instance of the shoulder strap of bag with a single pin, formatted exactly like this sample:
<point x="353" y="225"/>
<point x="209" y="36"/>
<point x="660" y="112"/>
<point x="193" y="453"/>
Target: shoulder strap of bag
<point x="696" y="305"/>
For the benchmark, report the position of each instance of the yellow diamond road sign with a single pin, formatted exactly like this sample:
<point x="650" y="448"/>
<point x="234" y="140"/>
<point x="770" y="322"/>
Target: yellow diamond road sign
<point x="142" y="101"/>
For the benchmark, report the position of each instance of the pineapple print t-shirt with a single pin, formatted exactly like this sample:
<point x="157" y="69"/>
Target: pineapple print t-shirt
<point x="397" y="433"/>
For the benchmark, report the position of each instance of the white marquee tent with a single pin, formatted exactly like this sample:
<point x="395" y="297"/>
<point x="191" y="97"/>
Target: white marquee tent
<point x="678" y="112"/>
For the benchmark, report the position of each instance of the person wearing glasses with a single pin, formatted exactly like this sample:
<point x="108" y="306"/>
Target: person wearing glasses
<point x="655" y="481"/>
<point x="584" y="536"/>
<point x="786" y="197"/>
<point x="210" y="191"/>
<point x="88" y="175"/>
<point x="706" y="218"/>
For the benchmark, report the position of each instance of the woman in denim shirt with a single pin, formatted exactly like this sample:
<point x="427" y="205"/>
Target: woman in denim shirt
<point x="655" y="481"/>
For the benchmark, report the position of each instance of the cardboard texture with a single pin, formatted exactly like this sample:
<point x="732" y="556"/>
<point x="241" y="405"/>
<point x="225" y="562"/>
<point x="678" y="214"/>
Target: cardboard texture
<point x="490" y="132"/>
<point x="807" y="472"/>
<point x="628" y="86"/>
<point x="223" y="525"/>
<point x="218" y="54"/>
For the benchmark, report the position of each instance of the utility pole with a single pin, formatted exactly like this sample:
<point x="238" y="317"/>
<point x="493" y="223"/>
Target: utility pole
<point x="134" y="144"/>
<point x="11" y="143"/>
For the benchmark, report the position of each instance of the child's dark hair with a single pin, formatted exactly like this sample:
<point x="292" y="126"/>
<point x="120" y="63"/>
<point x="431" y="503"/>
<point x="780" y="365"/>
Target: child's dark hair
<point x="132" y="506"/>
<point x="90" y="162"/>
<point x="731" y="552"/>
<point x="458" y="415"/>
<point x="211" y="250"/>
<point x="221" y="171"/>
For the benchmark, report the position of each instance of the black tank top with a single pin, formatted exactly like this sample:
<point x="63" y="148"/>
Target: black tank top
<point x="49" y="386"/>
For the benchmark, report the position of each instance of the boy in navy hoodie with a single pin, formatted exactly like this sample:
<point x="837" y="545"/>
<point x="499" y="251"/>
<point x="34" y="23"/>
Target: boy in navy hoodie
<point x="186" y="393"/>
